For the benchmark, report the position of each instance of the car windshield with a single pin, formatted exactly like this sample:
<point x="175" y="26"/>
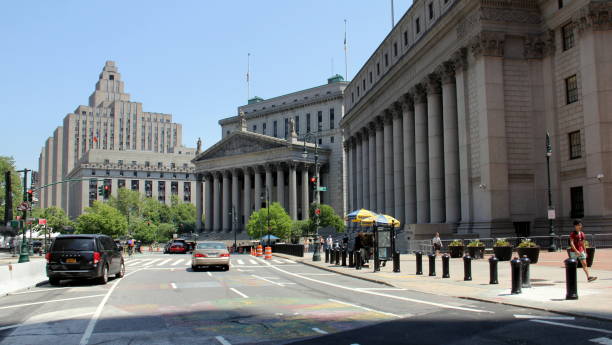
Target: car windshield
<point x="211" y="246"/>
<point x="73" y="244"/>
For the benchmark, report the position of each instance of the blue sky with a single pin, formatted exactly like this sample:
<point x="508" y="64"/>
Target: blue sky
<point x="186" y="58"/>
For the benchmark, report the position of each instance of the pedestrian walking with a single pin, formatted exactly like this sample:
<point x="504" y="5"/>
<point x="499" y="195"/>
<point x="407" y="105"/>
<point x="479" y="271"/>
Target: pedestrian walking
<point x="578" y="251"/>
<point x="329" y="242"/>
<point x="437" y="243"/>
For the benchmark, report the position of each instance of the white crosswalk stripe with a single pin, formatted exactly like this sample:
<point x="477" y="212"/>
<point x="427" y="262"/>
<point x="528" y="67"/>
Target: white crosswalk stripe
<point x="240" y="262"/>
<point x="289" y="261"/>
<point x="177" y="262"/>
<point x="164" y="262"/>
<point x="150" y="262"/>
<point x="253" y="262"/>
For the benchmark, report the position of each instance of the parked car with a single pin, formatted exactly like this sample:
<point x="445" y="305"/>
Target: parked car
<point x="84" y="256"/>
<point x="37" y="247"/>
<point x="208" y="253"/>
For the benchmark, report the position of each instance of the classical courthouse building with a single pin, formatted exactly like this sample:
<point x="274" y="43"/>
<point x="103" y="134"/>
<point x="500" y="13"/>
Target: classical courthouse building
<point x="261" y="155"/>
<point x="446" y="122"/>
<point x="114" y="141"/>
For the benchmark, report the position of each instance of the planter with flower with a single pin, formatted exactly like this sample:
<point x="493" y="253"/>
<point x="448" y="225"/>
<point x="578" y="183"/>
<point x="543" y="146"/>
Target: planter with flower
<point x="590" y="251"/>
<point x="455" y="249"/>
<point x="502" y="249"/>
<point x="476" y="249"/>
<point x="529" y="248"/>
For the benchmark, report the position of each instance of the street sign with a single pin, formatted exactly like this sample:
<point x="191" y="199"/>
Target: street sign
<point x="42" y="221"/>
<point x="23" y="206"/>
<point x="322" y="189"/>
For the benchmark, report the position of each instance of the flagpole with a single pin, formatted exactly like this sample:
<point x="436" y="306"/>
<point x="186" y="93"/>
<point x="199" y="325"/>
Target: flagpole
<point x="247" y="76"/>
<point x="345" y="54"/>
<point x="392" y="16"/>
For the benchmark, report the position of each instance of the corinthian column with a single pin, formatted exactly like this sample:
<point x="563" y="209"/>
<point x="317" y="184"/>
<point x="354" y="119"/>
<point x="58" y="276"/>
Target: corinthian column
<point x="380" y="166"/>
<point x="452" y="188"/>
<point x="216" y="202"/>
<point x="421" y="154"/>
<point x="436" y="150"/>
<point x="350" y="176"/>
<point x="398" y="163"/>
<point x="247" y="195"/>
<point x="359" y="175"/>
<point x="199" y="206"/>
<point x="365" y="167"/>
<point x="280" y="185"/>
<point x="269" y="181"/>
<point x="226" y="201"/>
<point x="372" y="164"/>
<point x="256" y="197"/>
<point x="292" y="191"/>
<point x="410" y="197"/>
<point x="208" y="202"/>
<point x="305" y="198"/>
<point x="235" y="205"/>
<point x="388" y="159"/>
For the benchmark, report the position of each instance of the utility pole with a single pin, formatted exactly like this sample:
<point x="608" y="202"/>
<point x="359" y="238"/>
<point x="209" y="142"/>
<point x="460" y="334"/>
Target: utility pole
<point x="551" y="210"/>
<point x="23" y="252"/>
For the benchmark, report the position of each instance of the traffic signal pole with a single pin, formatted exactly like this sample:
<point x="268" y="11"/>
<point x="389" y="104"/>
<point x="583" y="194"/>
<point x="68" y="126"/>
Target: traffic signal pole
<point x="23" y="252"/>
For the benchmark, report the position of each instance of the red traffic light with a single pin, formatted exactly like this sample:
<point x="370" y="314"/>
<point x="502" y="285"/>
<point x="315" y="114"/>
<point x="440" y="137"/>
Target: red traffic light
<point x="107" y="187"/>
<point x="313" y="179"/>
<point x="317" y="211"/>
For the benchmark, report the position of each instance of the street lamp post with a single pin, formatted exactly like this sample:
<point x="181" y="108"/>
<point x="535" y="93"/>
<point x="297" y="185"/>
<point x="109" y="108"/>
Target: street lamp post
<point x="234" y="216"/>
<point x="316" y="256"/>
<point x="551" y="211"/>
<point x="266" y="196"/>
<point x="23" y="252"/>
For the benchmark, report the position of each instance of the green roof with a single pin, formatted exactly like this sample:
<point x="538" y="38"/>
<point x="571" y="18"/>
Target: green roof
<point x="335" y="78"/>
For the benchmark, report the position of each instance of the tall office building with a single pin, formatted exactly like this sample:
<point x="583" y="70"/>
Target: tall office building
<point x="110" y="122"/>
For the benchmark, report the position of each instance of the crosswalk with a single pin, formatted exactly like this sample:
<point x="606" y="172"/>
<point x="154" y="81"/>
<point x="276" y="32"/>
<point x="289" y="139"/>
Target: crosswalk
<point x="186" y="261"/>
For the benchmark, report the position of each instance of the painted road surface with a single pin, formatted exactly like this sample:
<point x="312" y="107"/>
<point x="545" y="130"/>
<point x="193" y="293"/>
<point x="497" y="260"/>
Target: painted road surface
<point x="162" y="301"/>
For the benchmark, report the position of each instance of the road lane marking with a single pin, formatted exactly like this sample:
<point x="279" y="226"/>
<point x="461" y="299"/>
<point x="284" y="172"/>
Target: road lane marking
<point x="51" y="301"/>
<point x="177" y="262"/>
<point x="320" y="331"/>
<point x="42" y="290"/>
<point x="96" y="315"/>
<point x="253" y="262"/>
<point x="269" y="281"/>
<point x="54" y="320"/>
<point x="164" y="262"/>
<point x="602" y="341"/>
<point x="173" y="285"/>
<point x="278" y="261"/>
<point x="222" y="340"/>
<point x="150" y="262"/>
<point x="368" y="309"/>
<point x="440" y="305"/>
<point x="209" y="274"/>
<point x="240" y="262"/>
<point x="240" y="293"/>
<point x="541" y="317"/>
<point x="381" y="289"/>
<point x="318" y="274"/>
<point x="289" y="261"/>
<point x="573" y="326"/>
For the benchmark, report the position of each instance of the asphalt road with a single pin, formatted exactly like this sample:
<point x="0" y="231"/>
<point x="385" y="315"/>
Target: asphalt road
<point x="162" y="301"/>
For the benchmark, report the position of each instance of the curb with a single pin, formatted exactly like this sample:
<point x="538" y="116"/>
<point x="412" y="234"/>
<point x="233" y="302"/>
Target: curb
<point x="568" y="313"/>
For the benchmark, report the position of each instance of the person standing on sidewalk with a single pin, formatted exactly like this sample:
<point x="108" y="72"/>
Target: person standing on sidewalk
<point x="437" y="243"/>
<point x="578" y="251"/>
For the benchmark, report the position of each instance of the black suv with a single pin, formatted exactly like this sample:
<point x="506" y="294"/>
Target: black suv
<point x="84" y="256"/>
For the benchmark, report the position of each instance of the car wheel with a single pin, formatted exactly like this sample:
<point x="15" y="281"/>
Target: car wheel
<point x="226" y="268"/>
<point x="104" y="278"/>
<point x="194" y="268"/>
<point x="121" y="272"/>
<point x="54" y="281"/>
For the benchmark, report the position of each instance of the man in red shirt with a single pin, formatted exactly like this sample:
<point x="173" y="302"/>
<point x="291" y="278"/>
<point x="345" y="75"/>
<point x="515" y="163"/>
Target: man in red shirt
<point x="578" y="250"/>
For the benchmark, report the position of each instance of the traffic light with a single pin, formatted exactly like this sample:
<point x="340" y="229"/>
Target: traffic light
<point x="100" y="190"/>
<point x="313" y="180"/>
<point x="30" y="195"/>
<point x="107" y="191"/>
<point x="318" y="211"/>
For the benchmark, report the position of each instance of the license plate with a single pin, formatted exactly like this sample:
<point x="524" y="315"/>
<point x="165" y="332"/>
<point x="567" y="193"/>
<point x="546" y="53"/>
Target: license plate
<point x="71" y="261"/>
<point x="213" y="255"/>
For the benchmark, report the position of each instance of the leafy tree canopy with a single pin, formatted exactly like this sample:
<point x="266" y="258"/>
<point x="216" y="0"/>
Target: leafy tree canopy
<point x="55" y="216"/>
<point x="280" y="222"/>
<point x="102" y="218"/>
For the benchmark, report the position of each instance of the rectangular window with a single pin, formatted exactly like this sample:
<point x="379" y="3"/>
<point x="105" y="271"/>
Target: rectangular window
<point x="120" y="162"/>
<point x="568" y="36"/>
<point x="254" y="128"/>
<point x="575" y="145"/>
<point x="431" y="13"/>
<point x="370" y="77"/>
<point x="275" y="128"/>
<point x="405" y="38"/>
<point x="417" y="24"/>
<point x="364" y="84"/>
<point x="161" y="191"/>
<point x="560" y="3"/>
<point x="386" y="60"/>
<point x="357" y="91"/>
<point x="331" y="118"/>
<point x="120" y="184"/>
<point x="174" y="188"/>
<point x="135" y="185"/>
<point x="577" y="202"/>
<point x="297" y="124"/>
<point x="331" y="140"/>
<point x="394" y="49"/>
<point x="286" y="127"/>
<point x="319" y="121"/>
<point x="377" y="68"/>
<point x="308" y="123"/>
<point x="352" y="97"/>
<point x="571" y="89"/>
<point x="263" y="128"/>
<point x="187" y="192"/>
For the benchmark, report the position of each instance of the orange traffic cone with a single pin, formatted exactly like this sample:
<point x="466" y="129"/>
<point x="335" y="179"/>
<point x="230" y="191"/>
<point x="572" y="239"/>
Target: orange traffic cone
<point x="268" y="253"/>
<point x="259" y="250"/>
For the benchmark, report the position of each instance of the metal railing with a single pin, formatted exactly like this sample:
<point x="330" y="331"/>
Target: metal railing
<point x="290" y="249"/>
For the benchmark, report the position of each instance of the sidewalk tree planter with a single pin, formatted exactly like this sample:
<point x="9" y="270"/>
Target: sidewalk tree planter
<point x="455" y="249"/>
<point x="476" y="249"/>
<point x="529" y="248"/>
<point x="590" y="251"/>
<point x="502" y="250"/>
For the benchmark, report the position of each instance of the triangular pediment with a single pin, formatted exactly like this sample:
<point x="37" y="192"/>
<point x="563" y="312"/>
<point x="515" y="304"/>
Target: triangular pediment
<point x="241" y="143"/>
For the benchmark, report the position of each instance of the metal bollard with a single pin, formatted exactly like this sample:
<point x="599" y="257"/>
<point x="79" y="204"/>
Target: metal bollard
<point x="326" y="255"/>
<point x="516" y="265"/>
<point x="332" y="253"/>
<point x="571" y="280"/>
<point x="467" y="267"/>
<point x="357" y="259"/>
<point x="351" y="257"/>
<point x="445" y="266"/>
<point x="525" y="281"/>
<point x="432" y="265"/>
<point x="419" y="262"/>
<point x="343" y="257"/>
<point x="493" y="270"/>
<point x="396" y="262"/>
<point x="337" y="257"/>
<point x="376" y="265"/>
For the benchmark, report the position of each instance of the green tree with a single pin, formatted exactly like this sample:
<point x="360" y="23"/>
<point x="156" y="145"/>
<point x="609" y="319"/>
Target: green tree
<point x="280" y="222"/>
<point x="128" y="203"/>
<point x="299" y="228"/>
<point x="184" y="216"/>
<point x="55" y="216"/>
<point x="8" y="164"/>
<point x="165" y="231"/>
<point x="102" y="218"/>
<point x="327" y="217"/>
<point x="144" y="231"/>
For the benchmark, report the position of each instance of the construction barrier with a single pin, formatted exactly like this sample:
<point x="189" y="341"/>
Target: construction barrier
<point x="259" y="251"/>
<point x="268" y="253"/>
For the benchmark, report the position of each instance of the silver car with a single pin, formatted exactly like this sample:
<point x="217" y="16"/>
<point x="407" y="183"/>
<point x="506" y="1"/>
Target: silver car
<point x="207" y="253"/>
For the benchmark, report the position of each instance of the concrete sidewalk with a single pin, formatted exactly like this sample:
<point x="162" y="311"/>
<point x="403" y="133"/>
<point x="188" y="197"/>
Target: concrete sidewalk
<point x="547" y="279"/>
